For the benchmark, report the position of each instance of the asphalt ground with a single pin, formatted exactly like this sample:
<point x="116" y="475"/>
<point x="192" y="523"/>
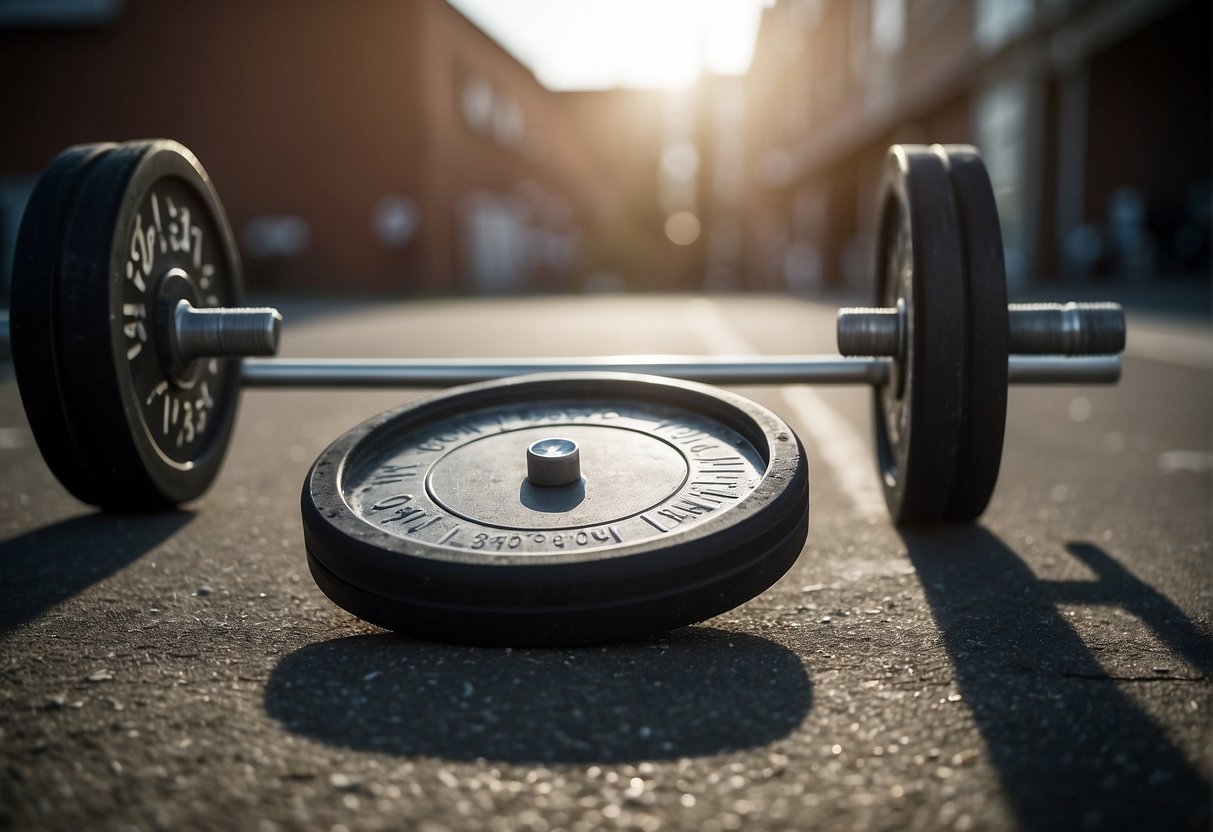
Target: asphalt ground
<point x="1047" y="668"/>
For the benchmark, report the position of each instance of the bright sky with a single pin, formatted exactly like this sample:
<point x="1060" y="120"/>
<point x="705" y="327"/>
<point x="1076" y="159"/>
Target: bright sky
<point x="598" y="44"/>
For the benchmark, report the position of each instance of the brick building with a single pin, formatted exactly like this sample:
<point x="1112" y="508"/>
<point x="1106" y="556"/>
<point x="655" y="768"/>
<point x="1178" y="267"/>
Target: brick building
<point x="391" y="146"/>
<point x="1093" y="116"/>
<point x="380" y="145"/>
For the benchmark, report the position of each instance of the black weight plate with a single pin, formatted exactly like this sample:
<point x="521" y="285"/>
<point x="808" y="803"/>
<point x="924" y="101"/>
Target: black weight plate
<point x="143" y="209"/>
<point x="985" y="412"/>
<point x="917" y="415"/>
<point x="33" y="322"/>
<point x="421" y="520"/>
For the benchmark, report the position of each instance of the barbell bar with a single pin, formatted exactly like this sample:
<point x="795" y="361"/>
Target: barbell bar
<point x="734" y="370"/>
<point x="131" y="344"/>
<point x="1089" y="336"/>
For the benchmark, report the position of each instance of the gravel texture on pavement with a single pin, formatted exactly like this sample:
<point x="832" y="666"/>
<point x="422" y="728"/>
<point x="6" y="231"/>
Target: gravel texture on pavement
<point x="1047" y="668"/>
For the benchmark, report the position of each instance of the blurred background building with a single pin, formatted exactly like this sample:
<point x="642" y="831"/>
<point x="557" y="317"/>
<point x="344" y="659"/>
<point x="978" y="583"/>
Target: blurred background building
<point x="384" y="145"/>
<point x="1093" y="117"/>
<point x="394" y="146"/>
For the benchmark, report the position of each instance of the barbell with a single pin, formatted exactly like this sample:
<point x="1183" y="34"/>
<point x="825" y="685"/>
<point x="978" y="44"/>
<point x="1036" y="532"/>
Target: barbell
<point x="128" y="333"/>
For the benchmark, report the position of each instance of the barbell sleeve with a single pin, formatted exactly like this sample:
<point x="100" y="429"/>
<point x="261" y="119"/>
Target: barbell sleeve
<point x="1066" y="328"/>
<point x="1033" y="329"/>
<point x="221" y="332"/>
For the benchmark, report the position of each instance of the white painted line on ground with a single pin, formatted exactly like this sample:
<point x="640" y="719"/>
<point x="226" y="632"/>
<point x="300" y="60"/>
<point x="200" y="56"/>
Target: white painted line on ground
<point x="1186" y="346"/>
<point x="835" y="439"/>
<point x="1194" y="462"/>
<point x="13" y="438"/>
<point x="842" y="448"/>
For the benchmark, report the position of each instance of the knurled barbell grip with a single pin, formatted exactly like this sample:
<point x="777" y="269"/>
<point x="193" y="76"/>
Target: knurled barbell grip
<point x="1034" y="329"/>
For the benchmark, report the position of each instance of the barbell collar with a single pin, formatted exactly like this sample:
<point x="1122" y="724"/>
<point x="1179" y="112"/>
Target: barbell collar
<point x="870" y="331"/>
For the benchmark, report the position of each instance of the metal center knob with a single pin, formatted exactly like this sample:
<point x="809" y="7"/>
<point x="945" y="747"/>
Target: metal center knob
<point x="553" y="462"/>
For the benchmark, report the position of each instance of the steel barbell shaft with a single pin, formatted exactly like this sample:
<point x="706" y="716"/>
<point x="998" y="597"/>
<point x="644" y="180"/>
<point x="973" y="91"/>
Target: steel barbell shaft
<point x="1034" y="329"/>
<point x="1052" y="369"/>
<point x="789" y="369"/>
<point x="443" y="372"/>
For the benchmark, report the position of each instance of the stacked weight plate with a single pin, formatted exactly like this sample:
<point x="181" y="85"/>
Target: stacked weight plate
<point x="112" y="235"/>
<point x="940" y="419"/>
<point x="440" y="518"/>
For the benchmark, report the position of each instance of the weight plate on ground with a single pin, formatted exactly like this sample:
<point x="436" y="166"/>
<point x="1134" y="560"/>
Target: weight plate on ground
<point x="144" y="229"/>
<point x="423" y="520"/>
<point x="34" y="322"/>
<point x="917" y="414"/>
<point x="985" y="409"/>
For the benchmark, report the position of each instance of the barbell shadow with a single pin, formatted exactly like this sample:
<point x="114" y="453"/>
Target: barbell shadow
<point x="45" y="567"/>
<point x="1072" y="749"/>
<point x="1119" y="586"/>
<point x="691" y="692"/>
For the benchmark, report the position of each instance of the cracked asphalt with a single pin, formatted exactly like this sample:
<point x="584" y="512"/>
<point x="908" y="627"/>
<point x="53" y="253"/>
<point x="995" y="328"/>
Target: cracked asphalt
<point x="1047" y="668"/>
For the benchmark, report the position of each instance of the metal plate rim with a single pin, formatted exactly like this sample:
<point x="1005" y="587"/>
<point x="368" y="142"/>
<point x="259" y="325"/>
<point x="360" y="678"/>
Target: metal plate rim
<point x="985" y="408"/>
<point x="35" y="325"/>
<point x="566" y="598"/>
<point x="938" y="340"/>
<point x="572" y="623"/>
<point x="782" y="458"/>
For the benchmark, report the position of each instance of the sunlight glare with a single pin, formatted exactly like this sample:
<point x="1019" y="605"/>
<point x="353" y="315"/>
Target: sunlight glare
<point x="596" y="44"/>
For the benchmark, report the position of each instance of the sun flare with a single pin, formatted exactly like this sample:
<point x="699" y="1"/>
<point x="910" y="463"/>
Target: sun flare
<point x="594" y="44"/>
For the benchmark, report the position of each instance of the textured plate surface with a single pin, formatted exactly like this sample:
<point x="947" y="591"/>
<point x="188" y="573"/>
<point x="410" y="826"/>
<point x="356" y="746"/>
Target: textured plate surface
<point x="141" y="210"/>
<point x="985" y="409"/>
<point x="35" y="335"/>
<point x="917" y="416"/>
<point x="692" y="500"/>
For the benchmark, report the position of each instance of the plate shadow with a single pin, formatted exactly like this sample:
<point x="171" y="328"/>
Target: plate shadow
<point x="46" y="566"/>
<point x="1072" y="749"/>
<point x="692" y="692"/>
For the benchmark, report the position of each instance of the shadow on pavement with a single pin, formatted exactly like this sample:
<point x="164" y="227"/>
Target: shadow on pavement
<point x="47" y="566"/>
<point x="692" y="692"/>
<point x="1119" y="587"/>
<point x="1072" y="749"/>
